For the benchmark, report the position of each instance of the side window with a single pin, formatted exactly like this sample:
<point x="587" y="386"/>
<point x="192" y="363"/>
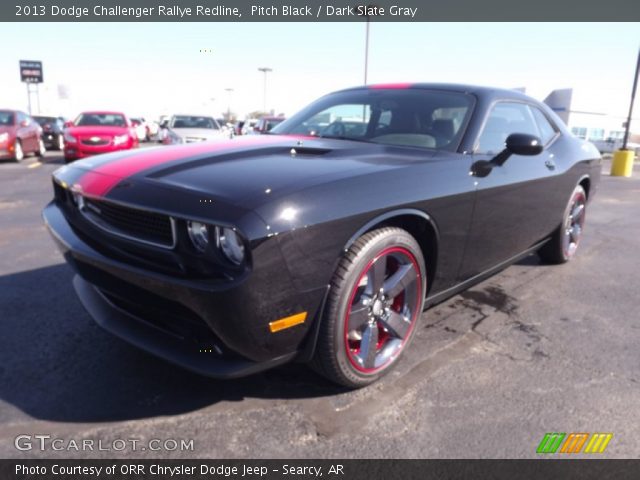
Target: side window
<point x="20" y="117"/>
<point x="504" y="119"/>
<point x="547" y="130"/>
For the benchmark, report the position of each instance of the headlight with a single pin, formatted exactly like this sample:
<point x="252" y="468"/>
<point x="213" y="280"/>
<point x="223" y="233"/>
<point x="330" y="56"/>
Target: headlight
<point x="199" y="235"/>
<point x="69" y="138"/>
<point x="120" y="139"/>
<point x="230" y="244"/>
<point x="4" y="137"/>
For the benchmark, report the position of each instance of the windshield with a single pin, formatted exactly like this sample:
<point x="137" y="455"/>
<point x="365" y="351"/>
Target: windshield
<point x="188" y="121"/>
<point x="409" y="117"/>
<point x="101" y="120"/>
<point x="6" y="118"/>
<point x="45" y="120"/>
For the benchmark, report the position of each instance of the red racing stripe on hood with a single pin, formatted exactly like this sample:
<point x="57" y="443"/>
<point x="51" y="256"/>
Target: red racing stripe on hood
<point x="100" y="180"/>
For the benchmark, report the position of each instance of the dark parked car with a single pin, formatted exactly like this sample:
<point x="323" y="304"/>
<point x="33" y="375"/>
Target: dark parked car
<point x="19" y="135"/>
<point x="266" y="124"/>
<point x="322" y="242"/>
<point x="52" y="131"/>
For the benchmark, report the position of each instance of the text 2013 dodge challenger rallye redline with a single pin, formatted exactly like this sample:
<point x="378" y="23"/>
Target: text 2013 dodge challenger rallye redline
<point x="324" y="241"/>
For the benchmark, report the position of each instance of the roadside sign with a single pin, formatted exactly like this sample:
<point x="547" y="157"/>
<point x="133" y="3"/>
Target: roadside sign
<point x="31" y="71"/>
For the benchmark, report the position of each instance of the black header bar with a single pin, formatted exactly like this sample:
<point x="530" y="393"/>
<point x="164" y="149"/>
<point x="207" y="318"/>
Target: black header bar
<point x="317" y="11"/>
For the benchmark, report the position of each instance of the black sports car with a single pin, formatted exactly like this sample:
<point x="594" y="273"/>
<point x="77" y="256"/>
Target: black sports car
<point x="52" y="131"/>
<point x="324" y="241"/>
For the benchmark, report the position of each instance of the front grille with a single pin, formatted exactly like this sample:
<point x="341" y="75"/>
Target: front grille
<point x="132" y="223"/>
<point x="95" y="141"/>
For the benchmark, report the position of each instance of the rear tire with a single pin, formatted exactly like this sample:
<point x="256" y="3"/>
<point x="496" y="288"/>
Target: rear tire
<point x="564" y="242"/>
<point x="374" y="303"/>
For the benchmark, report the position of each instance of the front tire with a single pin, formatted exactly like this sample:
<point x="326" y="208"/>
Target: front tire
<point x="18" y="153"/>
<point x="41" y="149"/>
<point x="564" y="242"/>
<point x="376" y="297"/>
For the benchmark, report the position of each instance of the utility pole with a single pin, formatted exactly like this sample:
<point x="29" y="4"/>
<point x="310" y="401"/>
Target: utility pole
<point x="622" y="162"/>
<point x="229" y="91"/>
<point x="366" y="51"/>
<point x="264" y="70"/>
<point x="633" y="98"/>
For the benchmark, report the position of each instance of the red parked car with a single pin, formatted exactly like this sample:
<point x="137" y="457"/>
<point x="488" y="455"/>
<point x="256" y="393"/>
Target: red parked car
<point x="19" y="135"/>
<point x="98" y="132"/>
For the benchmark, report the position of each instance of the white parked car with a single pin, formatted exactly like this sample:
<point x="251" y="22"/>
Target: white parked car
<point x="192" y="128"/>
<point x="248" y="126"/>
<point x="610" y="145"/>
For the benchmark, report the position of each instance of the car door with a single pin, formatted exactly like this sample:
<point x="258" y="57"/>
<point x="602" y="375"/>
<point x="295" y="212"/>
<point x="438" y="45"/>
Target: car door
<point x="22" y="132"/>
<point x="514" y="200"/>
<point x="34" y="133"/>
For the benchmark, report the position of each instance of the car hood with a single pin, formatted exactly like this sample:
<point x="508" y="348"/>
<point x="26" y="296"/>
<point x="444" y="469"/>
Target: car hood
<point x="97" y="130"/>
<point x="197" y="132"/>
<point x="244" y="173"/>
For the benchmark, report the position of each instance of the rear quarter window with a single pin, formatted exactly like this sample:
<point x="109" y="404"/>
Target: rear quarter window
<point x="547" y="130"/>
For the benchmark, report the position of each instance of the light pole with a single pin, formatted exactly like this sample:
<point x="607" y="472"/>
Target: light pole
<point x="264" y="70"/>
<point x="369" y="11"/>
<point x="366" y="52"/>
<point x="622" y="162"/>
<point x="229" y="91"/>
<point x="633" y="98"/>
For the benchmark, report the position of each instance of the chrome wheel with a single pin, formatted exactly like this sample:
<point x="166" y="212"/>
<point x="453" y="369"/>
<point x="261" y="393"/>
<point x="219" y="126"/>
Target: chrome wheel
<point x="574" y="224"/>
<point x="382" y="310"/>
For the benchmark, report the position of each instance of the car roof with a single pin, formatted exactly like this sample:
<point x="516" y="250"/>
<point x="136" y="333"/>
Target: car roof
<point x="477" y="90"/>
<point x="101" y="112"/>
<point x="191" y="115"/>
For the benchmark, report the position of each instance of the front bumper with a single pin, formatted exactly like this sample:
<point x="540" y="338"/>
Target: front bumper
<point x="77" y="151"/>
<point x="146" y="337"/>
<point x="50" y="139"/>
<point x="6" y="152"/>
<point x="212" y="328"/>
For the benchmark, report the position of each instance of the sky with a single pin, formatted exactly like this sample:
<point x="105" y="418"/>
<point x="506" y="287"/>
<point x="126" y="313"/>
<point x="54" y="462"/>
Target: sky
<point x="149" y="69"/>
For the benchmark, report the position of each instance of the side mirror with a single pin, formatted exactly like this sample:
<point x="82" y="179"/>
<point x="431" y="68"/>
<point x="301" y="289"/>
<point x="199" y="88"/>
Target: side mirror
<point x="516" y="144"/>
<point x="524" y="144"/>
<point x="68" y="124"/>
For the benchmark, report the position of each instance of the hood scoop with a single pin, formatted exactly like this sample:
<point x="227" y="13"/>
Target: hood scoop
<point x="308" y="151"/>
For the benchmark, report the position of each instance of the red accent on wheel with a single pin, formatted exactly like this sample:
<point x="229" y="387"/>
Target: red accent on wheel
<point x="353" y="347"/>
<point x="579" y="197"/>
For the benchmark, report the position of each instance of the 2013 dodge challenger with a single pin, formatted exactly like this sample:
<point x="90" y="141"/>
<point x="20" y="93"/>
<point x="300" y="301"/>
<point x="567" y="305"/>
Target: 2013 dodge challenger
<point x="324" y="241"/>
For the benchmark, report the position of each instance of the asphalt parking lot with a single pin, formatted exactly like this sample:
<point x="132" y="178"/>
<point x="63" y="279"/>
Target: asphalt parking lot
<point x="532" y="350"/>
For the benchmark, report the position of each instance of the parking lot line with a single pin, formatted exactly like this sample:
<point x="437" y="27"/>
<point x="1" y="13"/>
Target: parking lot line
<point x="34" y="165"/>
